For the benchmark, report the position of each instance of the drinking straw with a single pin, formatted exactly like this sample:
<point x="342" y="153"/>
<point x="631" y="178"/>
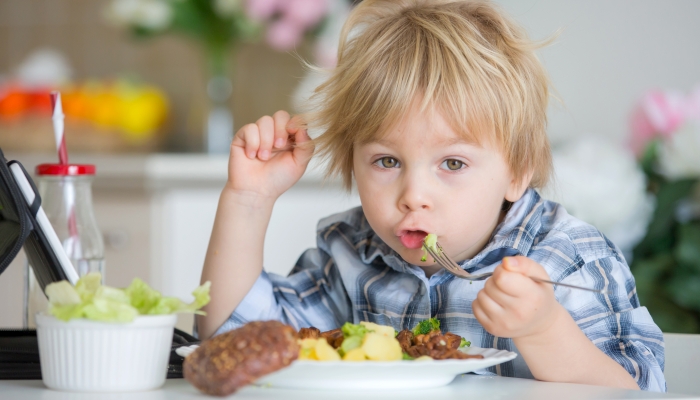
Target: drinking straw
<point x="69" y="190"/>
<point x="58" y="127"/>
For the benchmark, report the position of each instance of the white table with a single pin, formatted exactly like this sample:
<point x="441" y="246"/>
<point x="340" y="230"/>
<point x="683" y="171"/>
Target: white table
<point x="464" y="387"/>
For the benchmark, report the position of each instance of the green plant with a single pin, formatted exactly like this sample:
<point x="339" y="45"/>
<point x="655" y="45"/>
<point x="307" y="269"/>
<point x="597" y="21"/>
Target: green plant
<point x="666" y="262"/>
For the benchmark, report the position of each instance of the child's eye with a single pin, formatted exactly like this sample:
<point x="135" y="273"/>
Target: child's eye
<point x="453" y="165"/>
<point x="387" y="162"/>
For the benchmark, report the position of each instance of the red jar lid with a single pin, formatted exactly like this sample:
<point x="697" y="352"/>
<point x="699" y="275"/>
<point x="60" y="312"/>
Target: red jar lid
<point x="65" y="169"/>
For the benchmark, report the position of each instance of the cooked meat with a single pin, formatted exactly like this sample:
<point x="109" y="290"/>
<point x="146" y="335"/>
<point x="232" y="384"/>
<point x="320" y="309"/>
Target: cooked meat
<point x="227" y="362"/>
<point x="309" y="333"/>
<point x="433" y="344"/>
<point x="453" y="341"/>
<point x="333" y="337"/>
<point x="405" y="338"/>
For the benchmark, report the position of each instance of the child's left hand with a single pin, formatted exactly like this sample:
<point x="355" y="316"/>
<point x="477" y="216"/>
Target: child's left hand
<point x="511" y="304"/>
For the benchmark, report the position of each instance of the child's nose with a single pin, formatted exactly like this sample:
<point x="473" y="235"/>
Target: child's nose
<point x="414" y="195"/>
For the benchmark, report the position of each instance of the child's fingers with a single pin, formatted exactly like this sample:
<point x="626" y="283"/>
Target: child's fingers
<point x="495" y="290"/>
<point x="486" y="308"/>
<point x="304" y="148"/>
<point x="512" y="284"/>
<point x="525" y="266"/>
<point x="248" y="137"/>
<point x="281" y="134"/>
<point x="520" y="270"/>
<point x="266" y="126"/>
<point x="480" y="315"/>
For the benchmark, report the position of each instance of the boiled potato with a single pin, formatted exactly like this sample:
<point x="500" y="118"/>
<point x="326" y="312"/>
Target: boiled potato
<point x="307" y="350"/>
<point x="355" y="355"/>
<point x="380" y="329"/>
<point x="325" y="352"/>
<point x="379" y="347"/>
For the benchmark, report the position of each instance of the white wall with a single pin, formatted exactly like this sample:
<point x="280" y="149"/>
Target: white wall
<point x="609" y="53"/>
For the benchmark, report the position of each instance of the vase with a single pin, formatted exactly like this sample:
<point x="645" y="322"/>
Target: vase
<point x="218" y="129"/>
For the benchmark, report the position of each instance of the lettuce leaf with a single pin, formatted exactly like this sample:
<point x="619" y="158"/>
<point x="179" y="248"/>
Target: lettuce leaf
<point x="92" y="300"/>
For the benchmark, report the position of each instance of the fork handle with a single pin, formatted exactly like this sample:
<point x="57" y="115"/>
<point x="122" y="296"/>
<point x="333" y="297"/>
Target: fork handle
<point x="602" y="291"/>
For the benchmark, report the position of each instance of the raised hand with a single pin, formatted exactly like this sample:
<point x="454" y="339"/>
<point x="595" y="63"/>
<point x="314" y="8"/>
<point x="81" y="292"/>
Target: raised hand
<point x="269" y="156"/>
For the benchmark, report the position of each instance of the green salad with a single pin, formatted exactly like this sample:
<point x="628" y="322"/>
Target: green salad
<point x="90" y="299"/>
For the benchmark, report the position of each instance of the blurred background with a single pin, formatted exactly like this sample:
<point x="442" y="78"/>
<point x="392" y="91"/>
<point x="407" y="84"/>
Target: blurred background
<point x="153" y="90"/>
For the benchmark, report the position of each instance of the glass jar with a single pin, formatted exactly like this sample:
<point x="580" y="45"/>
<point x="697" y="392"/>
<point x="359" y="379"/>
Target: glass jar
<point x="66" y="197"/>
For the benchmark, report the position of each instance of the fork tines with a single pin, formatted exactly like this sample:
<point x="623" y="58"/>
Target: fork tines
<point x="441" y="258"/>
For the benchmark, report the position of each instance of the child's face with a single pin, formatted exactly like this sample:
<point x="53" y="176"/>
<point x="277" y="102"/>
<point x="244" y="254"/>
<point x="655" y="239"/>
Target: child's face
<point x="422" y="177"/>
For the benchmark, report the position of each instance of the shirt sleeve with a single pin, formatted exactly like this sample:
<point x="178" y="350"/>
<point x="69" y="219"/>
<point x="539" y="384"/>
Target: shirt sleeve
<point x="615" y="322"/>
<point x="312" y="295"/>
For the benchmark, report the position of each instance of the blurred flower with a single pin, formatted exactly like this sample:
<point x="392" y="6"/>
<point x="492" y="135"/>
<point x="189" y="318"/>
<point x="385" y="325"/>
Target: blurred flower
<point x="227" y="8"/>
<point x="43" y="68"/>
<point x="679" y="155"/>
<point x="221" y="23"/>
<point x="154" y="15"/>
<point x="305" y="13"/>
<point x="261" y="10"/>
<point x="599" y="182"/>
<point x="666" y="265"/>
<point x="287" y="20"/>
<point x="659" y="114"/>
<point x="284" y="34"/>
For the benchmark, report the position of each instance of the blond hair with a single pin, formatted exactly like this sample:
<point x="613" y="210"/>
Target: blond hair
<point x="465" y="58"/>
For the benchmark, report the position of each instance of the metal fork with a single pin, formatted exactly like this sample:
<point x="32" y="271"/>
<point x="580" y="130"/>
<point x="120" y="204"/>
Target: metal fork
<point x="447" y="263"/>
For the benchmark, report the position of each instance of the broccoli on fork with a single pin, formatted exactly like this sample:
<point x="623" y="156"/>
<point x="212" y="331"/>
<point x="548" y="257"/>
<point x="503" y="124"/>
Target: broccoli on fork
<point x="430" y="242"/>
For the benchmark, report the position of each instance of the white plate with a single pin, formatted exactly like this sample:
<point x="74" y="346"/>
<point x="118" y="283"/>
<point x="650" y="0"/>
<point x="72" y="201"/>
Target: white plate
<point x="374" y="375"/>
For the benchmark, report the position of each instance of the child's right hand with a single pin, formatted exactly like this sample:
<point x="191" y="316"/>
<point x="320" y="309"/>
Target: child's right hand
<point x="269" y="156"/>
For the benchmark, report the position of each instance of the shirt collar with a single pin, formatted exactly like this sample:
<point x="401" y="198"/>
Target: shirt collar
<point x="513" y="236"/>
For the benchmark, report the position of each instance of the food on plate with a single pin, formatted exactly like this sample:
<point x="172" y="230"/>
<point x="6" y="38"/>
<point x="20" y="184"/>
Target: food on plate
<point x="91" y="300"/>
<point x="369" y="341"/>
<point x="426" y="339"/>
<point x="333" y="337"/>
<point x="379" y="347"/>
<point x="426" y="326"/>
<point x="309" y="333"/>
<point x="227" y="362"/>
<point x="317" y="349"/>
<point x="430" y="242"/>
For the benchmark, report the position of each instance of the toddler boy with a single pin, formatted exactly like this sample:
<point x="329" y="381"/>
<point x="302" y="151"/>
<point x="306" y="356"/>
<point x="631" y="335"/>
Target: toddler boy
<point x="437" y="111"/>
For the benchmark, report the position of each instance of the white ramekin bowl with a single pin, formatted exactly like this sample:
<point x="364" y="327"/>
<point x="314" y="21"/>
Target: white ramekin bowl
<point x="90" y="356"/>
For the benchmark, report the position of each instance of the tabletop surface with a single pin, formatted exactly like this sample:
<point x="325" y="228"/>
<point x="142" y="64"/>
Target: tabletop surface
<point x="463" y="387"/>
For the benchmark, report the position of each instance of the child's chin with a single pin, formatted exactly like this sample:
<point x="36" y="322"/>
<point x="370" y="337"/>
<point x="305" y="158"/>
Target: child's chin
<point x="417" y="259"/>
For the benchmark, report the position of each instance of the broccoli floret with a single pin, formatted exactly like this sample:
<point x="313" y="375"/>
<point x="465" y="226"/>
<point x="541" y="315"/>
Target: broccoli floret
<point x="350" y="343"/>
<point x="407" y="357"/>
<point x="354" y="330"/>
<point x="426" y="326"/>
<point x="430" y="242"/>
<point x="465" y="343"/>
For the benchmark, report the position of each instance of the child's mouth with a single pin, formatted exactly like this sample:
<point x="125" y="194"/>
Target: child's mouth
<point x="412" y="239"/>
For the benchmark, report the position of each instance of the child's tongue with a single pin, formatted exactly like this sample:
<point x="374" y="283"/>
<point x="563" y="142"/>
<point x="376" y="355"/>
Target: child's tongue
<point x="413" y="239"/>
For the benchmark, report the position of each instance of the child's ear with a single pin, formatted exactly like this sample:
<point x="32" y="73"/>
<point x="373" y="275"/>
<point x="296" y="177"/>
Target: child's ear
<point x="518" y="186"/>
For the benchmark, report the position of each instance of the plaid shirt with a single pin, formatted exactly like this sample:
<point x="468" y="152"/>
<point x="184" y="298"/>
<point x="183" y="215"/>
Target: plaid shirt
<point x="354" y="276"/>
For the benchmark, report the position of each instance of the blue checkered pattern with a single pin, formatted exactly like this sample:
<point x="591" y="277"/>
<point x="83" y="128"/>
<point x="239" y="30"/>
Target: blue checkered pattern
<point x="354" y="276"/>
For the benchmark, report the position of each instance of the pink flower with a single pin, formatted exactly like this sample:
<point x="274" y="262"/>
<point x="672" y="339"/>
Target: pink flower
<point x="284" y="34"/>
<point x="306" y="13"/>
<point x="260" y="10"/>
<point x="658" y="113"/>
